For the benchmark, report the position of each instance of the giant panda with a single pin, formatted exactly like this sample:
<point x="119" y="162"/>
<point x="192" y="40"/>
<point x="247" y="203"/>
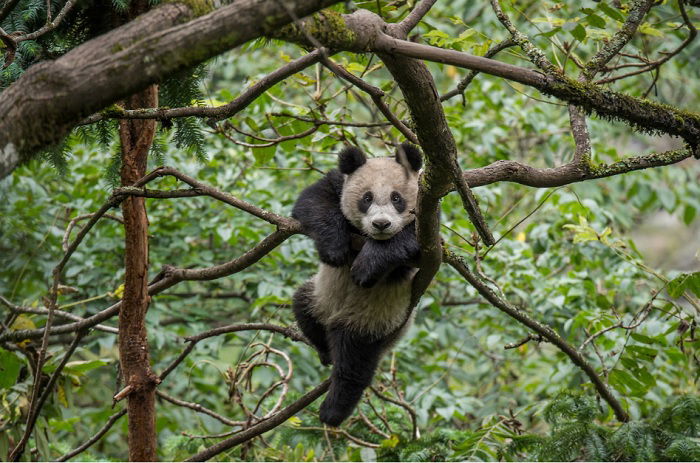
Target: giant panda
<point x="357" y="304"/>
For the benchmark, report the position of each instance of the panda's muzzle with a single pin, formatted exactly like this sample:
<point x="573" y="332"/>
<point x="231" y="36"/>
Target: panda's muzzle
<point x="381" y="224"/>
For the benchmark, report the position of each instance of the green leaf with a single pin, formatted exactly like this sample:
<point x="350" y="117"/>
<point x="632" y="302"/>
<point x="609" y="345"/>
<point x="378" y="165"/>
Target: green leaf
<point x="9" y="368"/>
<point x="80" y="367"/>
<point x="648" y="29"/>
<point x="264" y="155"/>
<point x="689" y="213"/>
<point x="643" y="351"/>
<point x="610" y="12"/>
<point x="596" y="21"/>
<point x="579" y="33"/>
<point x="684" y="282"/>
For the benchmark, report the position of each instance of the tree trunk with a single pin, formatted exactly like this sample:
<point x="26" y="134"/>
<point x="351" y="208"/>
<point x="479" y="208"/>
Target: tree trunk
<point x="136" y="138"/>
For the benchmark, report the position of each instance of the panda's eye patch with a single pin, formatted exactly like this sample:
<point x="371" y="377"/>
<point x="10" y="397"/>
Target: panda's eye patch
<point x="365" y="202"/>
<point x="398" y="202"/>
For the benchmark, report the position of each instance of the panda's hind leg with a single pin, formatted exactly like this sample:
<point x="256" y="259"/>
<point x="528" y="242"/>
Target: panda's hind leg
<point x="355" y="359"/>
<point x="314" y="331"/>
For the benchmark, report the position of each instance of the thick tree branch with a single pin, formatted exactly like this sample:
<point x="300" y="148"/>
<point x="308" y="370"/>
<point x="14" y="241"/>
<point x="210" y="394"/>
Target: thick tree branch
<point x="513" y="171"/>
<point x="112" y="66"/>
<point x="365" y="32"/>
<point x="643" y="115"/>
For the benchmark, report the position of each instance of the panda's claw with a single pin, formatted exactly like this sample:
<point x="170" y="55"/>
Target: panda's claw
<point x="325" y="357"/>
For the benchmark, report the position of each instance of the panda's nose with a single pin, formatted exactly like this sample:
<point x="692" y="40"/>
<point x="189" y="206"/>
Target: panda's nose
<point x="381" y="224"/>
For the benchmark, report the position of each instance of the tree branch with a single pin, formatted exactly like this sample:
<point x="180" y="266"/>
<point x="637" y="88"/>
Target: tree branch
<point x="263" y="426"/>
<point x="413" y="18"/>
<point x="376" y="94"/>
<point x="543" y="330"/>
<point x="219" y="112"/>
<point x="513" y="171"/>
<point x="637" y="10"/>
<point x="87" y="444"/>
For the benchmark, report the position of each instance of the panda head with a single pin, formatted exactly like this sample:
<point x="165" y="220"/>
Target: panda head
<point x="379" y="194"/>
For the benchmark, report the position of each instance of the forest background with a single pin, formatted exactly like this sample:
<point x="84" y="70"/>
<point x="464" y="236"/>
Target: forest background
<point x="571" y="335"/>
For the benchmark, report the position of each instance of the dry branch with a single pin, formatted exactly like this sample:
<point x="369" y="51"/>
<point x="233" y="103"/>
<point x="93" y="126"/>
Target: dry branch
<point x="263" y="426"/>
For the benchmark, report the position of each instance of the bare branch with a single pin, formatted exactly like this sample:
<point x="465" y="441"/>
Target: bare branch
<point x="530" y="337"/>
<point x="58" y="313"/>
<point x="513" y="171"/>
<point x="376" y="94"/>
<point x="536" y="55"/>
<point x="268" y="142"/>
<point x="219" y="112"/>
<point x="692" y="34"/>
<point x="327" y="122"/>
<point x="198" y="408"/>
<point x="50" y="24"/>
<point x="103" y="430"/>
<point x="403" y="404"/>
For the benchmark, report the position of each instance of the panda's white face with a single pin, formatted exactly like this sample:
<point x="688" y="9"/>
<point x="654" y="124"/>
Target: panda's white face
<point x="379" y="197"/>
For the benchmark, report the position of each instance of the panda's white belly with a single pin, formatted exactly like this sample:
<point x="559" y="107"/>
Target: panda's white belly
<point x="377" y="310"/>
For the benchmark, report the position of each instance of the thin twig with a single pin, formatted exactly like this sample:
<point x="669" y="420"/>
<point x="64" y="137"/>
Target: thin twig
<point x="198" y="408"/>
<point x="36" y="404"/>
<point x="264" y="426"/>
<point x="376" y="94"/>
<point x="87" y="444"/>
<point x="71" y="224"/>
<point x="218" y="112"/>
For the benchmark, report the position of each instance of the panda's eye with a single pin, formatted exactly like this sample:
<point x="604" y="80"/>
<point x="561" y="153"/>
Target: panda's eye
<point x="395" y="198"/>
<point x="368" y="197"/>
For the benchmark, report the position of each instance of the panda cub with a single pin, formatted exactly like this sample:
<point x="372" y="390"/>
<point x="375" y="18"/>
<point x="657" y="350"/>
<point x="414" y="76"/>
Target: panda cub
<point x="356" y="306"/>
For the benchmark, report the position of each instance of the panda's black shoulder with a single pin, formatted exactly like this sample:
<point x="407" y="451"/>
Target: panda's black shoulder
<point x="323" y="194"/>
<point x="336" y="181"/>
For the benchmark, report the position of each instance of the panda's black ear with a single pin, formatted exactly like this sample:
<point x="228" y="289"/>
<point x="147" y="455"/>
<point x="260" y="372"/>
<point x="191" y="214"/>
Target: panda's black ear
<point x="409" y="156"/>
<point x="351" y="159"/>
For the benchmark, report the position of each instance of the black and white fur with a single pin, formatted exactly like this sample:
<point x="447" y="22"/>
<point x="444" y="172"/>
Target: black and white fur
<point x="356" y="306"/>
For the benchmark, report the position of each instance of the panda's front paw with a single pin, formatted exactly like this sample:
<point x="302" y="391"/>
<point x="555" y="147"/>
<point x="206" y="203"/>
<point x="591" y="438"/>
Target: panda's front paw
<point x="325" y="357"/>
<point x="362" y="275"/>
<point x="335" y="256"/>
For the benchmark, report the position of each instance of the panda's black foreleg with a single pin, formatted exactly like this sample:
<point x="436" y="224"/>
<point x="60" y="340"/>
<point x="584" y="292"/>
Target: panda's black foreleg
<point x="355" y="359"/>
<point x="319" y="212"/>
<point x="378" y="259"/>
<point x="314" y="331"/>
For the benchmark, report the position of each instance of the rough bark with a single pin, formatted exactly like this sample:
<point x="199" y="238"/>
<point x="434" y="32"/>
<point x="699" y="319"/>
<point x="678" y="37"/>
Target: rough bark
<point x="52" y="97"/>
<point x="136" y="137"/>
